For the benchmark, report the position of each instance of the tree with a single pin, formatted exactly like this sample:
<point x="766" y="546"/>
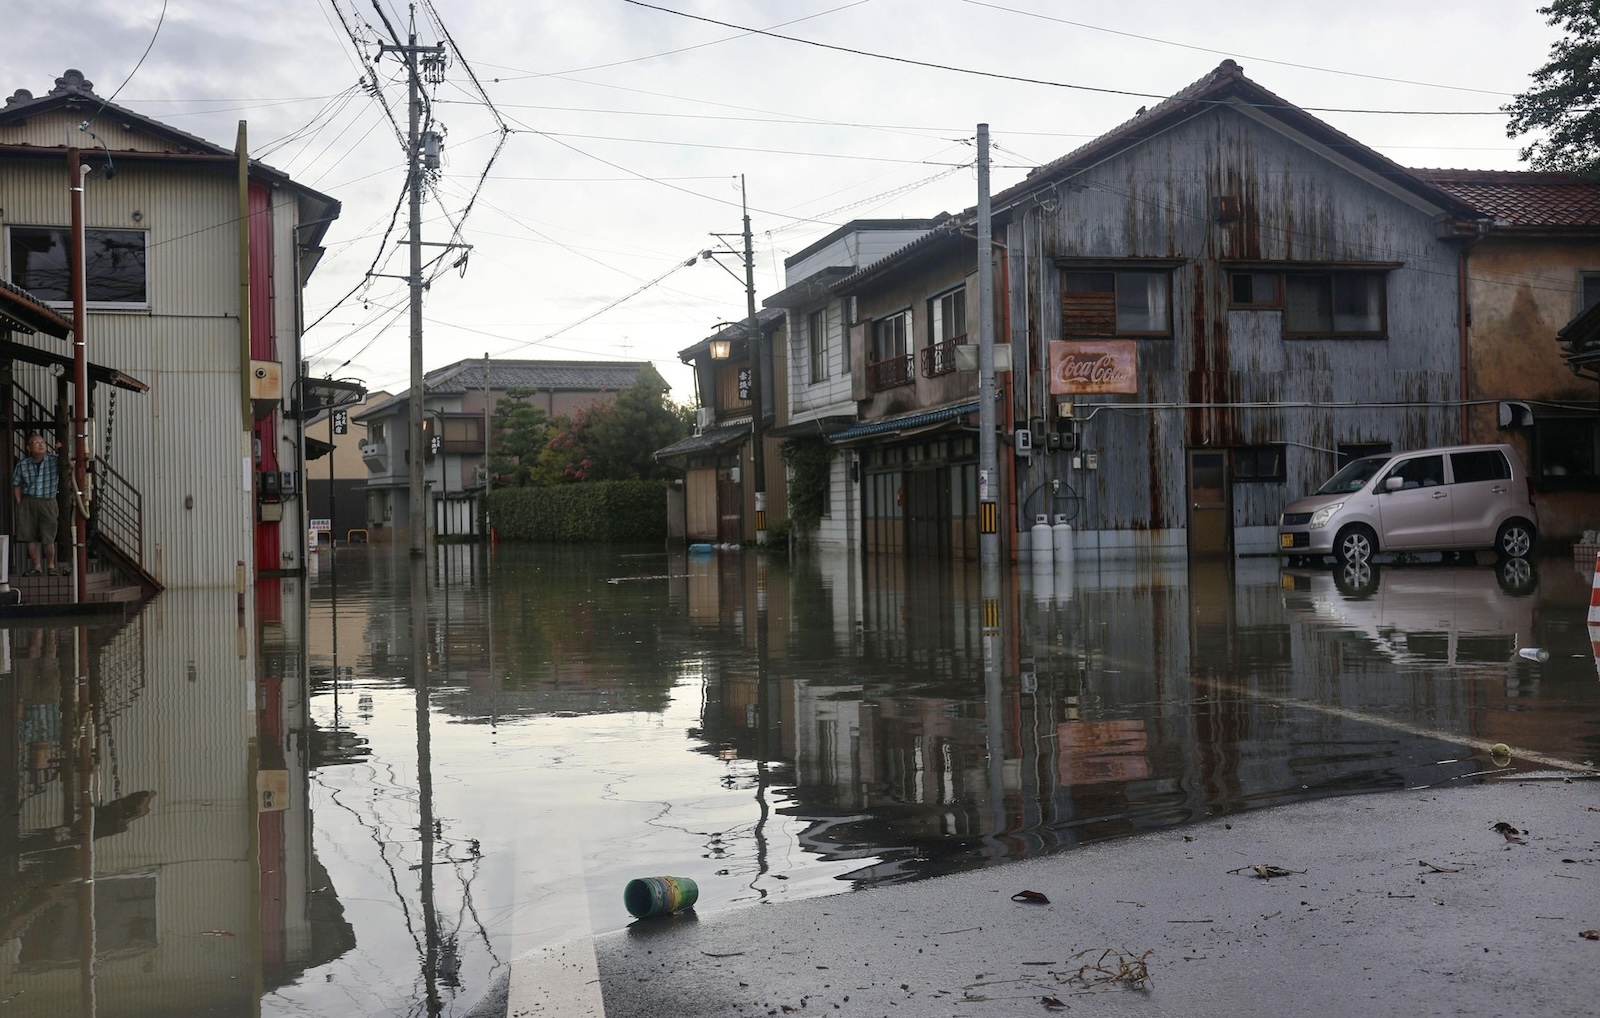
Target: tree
<point x="615" y="441"/>
<point x="521" y="432"/>
<point x="1564" y="102"/>
<point x="623" y="439"/>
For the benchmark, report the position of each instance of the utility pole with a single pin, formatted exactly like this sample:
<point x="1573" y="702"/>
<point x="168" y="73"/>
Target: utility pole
<point x="758" y="459"/>
<point x="988" y="466"/>
<point x="433" y="55"/>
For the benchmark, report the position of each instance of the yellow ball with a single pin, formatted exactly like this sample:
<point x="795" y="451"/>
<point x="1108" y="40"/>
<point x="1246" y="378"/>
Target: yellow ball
<point x="1501" y="753"/>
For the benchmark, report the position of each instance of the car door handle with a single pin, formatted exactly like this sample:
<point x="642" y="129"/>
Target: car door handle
<point x="1440" y="494"/>
<point x="1499" y="489"/>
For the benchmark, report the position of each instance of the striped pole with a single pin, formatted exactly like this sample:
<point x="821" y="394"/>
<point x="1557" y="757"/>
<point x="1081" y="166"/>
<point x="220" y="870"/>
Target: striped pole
<point x="1594" y="594"/>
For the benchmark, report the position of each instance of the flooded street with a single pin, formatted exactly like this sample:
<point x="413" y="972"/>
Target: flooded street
<point x="216" y="811"/>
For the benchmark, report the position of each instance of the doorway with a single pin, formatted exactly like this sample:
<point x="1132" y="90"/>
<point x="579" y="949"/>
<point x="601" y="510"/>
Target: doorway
<point x="1209" y="514"/>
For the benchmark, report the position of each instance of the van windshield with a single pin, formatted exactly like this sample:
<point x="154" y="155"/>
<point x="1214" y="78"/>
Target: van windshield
<point x="1353" y="475"/>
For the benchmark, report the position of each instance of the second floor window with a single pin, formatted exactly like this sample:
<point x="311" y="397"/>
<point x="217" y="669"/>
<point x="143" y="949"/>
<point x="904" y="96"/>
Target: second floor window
<point x="947" y="317"/>
<point x="817" y="336"/>
<point x="1123" y="302"/>
<point x="889" y="336"/>
<point x="1316" y="304"/>
<point x="115" y="260"/>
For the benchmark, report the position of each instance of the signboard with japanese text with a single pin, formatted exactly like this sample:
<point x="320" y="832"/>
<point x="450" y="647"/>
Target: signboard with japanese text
<point x="1094" y="366"/>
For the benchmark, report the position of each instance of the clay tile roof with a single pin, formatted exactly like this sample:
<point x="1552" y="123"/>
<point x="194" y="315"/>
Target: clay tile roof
<point x="1524" y="198"/>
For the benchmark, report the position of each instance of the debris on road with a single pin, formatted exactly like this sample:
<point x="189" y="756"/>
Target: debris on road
<point x="1112" y="969"/>
<point x="1030" y="898"/>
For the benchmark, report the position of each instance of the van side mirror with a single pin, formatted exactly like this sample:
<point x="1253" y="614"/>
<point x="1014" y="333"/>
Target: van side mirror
<point x="1393" y="483"/>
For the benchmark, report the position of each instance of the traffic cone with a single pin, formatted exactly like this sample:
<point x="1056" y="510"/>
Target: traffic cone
<point x="1594" y="594"/>
<point x="1594" y="645"/>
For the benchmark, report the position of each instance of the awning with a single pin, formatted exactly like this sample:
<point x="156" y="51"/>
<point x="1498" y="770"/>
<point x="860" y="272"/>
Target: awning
<point x="922" y="420"/>
<point x="21" y="311"/>
<point x="709" y="440"/>
<point x="316" y="448"/>
<point x="13" y="350"/>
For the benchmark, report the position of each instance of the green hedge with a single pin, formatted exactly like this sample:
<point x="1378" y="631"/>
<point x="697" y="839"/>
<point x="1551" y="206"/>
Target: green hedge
<point x="594" y="511"/>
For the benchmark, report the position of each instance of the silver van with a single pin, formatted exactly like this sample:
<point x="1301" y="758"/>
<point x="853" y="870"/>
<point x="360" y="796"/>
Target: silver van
<point x="1453" y="498"/>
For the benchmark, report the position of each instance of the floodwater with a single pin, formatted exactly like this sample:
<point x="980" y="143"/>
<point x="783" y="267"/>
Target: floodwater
<point x="305" y="805"/>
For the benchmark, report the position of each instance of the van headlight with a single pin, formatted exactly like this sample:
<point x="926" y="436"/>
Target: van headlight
<point x="1320" y="518"/>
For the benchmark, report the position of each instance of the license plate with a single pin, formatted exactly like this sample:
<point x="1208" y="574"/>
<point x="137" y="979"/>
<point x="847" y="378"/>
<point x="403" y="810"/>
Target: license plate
<point x="1286" y="540"/>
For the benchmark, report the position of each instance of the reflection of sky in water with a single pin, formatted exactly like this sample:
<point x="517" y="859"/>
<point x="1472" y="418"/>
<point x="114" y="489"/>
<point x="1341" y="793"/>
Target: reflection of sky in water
<point x="623" y="729"/>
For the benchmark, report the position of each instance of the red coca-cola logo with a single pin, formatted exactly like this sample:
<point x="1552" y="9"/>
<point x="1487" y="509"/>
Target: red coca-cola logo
<point x="1102" y="370"/>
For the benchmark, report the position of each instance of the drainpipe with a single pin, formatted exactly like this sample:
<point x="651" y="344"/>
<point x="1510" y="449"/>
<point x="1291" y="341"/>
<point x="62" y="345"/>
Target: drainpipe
<point x="76" y="173"/>
<point x="241" y="153"/>
<point x="1463" y="310"/>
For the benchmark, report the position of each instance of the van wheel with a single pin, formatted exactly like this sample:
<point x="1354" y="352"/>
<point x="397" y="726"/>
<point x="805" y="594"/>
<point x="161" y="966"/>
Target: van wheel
<point x="1515" y="539"/>
<point x="1355" y="546"/>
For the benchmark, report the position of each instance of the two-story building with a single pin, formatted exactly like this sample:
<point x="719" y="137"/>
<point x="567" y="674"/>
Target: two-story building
<point x="714" y="501"/>
<point x="825" y="382"/>
<point x="1206" y="308"/>
<point x="458" y="405"/>
<point x="196" y="257"/>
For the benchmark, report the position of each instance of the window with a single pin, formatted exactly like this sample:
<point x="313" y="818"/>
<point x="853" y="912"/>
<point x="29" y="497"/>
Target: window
<point x="1333" y="304"/>
<point x="1316" y="304"/>
<point x="1349" y="452"/>
<point x="1481" y="465"/>
<point x="1124" y="302"/>
<point x="947" y="326"/>
<point x="1254" y="289"/>
<point x="847" y="318"/>
<point x="115" y="261"/>
<point x="947" y="317"/>
<point x="1416" y="472"/>
<point x="1566" y="453"/>
<point x="1590" y="284"/>
<point x="817" y="334"/>
<point x="1258" y="463"/>
<point x="890" y="363"/>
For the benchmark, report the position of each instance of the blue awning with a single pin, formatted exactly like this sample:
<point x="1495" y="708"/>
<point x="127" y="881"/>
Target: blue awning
<point x="904" y="422"/>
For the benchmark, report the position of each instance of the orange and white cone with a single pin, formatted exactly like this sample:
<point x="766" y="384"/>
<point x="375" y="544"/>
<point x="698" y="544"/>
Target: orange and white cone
<point x="1594" y="594"/>
<point x="1594" y="645"/>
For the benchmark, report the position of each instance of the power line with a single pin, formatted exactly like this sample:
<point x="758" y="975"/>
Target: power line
<point x="1043" y="81"/>
<point x="1227" y="53"/>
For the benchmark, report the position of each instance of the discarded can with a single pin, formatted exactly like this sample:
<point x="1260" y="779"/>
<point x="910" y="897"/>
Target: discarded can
<point x="1534" y="653"/>
<point x="653" y="896"/>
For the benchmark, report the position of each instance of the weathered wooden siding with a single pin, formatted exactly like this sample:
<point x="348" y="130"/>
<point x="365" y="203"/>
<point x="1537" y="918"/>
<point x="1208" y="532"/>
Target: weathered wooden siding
<point x="1297" y="204"/>
<point x="936" y="276"/>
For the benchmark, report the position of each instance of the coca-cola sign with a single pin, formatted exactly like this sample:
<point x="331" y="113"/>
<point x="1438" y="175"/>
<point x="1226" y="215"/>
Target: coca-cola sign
<point x="1110" y="365"/>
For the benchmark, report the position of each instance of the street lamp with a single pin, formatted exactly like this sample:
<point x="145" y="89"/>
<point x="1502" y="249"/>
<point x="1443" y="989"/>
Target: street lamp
<point x="721" y="348"/>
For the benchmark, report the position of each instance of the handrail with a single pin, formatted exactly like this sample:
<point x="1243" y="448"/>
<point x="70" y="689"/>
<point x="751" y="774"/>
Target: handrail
<point x="116" y="512"/>
<point x="940" y="358"/>
<point x="886" y="374"/>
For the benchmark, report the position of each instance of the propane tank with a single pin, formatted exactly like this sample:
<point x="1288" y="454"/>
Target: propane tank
<point x="1042" y="538"/>
<point x="1061" y="537"/>
<point x="1043" y="571"/>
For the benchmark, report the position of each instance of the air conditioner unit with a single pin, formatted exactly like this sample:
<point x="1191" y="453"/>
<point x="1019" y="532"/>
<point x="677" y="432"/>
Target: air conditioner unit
<point x="705" y="417"/>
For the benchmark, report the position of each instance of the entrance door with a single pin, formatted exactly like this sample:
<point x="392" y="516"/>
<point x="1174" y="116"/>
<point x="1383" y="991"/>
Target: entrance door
<point x="1208" y="503"/>
<point x="927" y="511"/>
<point x="730" y="508"/>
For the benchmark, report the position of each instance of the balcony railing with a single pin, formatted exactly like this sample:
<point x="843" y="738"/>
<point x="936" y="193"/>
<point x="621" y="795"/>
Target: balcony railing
<point x="940" y="358"/>
<point x="886" y="374"/>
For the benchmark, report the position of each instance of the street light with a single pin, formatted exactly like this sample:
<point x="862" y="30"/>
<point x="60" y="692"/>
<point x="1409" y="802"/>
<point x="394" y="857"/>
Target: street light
<point x="721" y="348"/>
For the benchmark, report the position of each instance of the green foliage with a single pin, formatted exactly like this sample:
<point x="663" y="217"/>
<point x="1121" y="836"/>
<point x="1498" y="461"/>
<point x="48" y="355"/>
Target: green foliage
<point x="808" y="460"/>
<point x="780" y="532"/>
<point x="1564" y="101"/>
<point x="581" y="513"/>
<point x="615" y="441"/>
<point x="520" y="434"/>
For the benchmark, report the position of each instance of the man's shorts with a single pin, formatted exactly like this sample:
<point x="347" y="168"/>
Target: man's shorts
<point x="36" y="520"/>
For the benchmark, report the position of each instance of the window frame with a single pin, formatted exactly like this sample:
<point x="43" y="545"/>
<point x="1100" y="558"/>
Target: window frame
<point x="59" y="238"/>
<point x="817" y="341"/>
<point x="1332" y="274"/>
<point x="875" y="350"/>
<point x="1543" y="441"/>
<point x="936" y="323"/>
<point x="1118" y="274"/>
<point x="1244" y="469"/>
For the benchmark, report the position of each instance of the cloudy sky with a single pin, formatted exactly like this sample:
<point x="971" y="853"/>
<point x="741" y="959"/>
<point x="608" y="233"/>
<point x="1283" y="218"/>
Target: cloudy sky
<point x="629" y="126"/>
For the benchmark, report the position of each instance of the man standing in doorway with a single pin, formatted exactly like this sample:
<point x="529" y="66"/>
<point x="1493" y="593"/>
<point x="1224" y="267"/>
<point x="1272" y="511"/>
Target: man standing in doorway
<point x="34" y="485"/>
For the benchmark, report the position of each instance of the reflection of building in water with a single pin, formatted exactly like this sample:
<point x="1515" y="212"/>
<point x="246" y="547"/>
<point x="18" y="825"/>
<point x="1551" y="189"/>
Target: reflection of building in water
<point x="143" y="777"/>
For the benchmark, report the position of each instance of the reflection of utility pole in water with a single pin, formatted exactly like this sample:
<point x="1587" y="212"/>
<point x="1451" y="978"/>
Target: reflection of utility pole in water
<point x="993" y="703"/>
<point x="83" y="731"/>
<point x="763" y="724"/>
<point x="419" y="677"/>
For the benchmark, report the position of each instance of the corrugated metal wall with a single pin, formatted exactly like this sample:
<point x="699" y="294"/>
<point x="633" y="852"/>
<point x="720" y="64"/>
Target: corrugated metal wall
<point x="183" y="439"/>
<point x="1155" y="202"/>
